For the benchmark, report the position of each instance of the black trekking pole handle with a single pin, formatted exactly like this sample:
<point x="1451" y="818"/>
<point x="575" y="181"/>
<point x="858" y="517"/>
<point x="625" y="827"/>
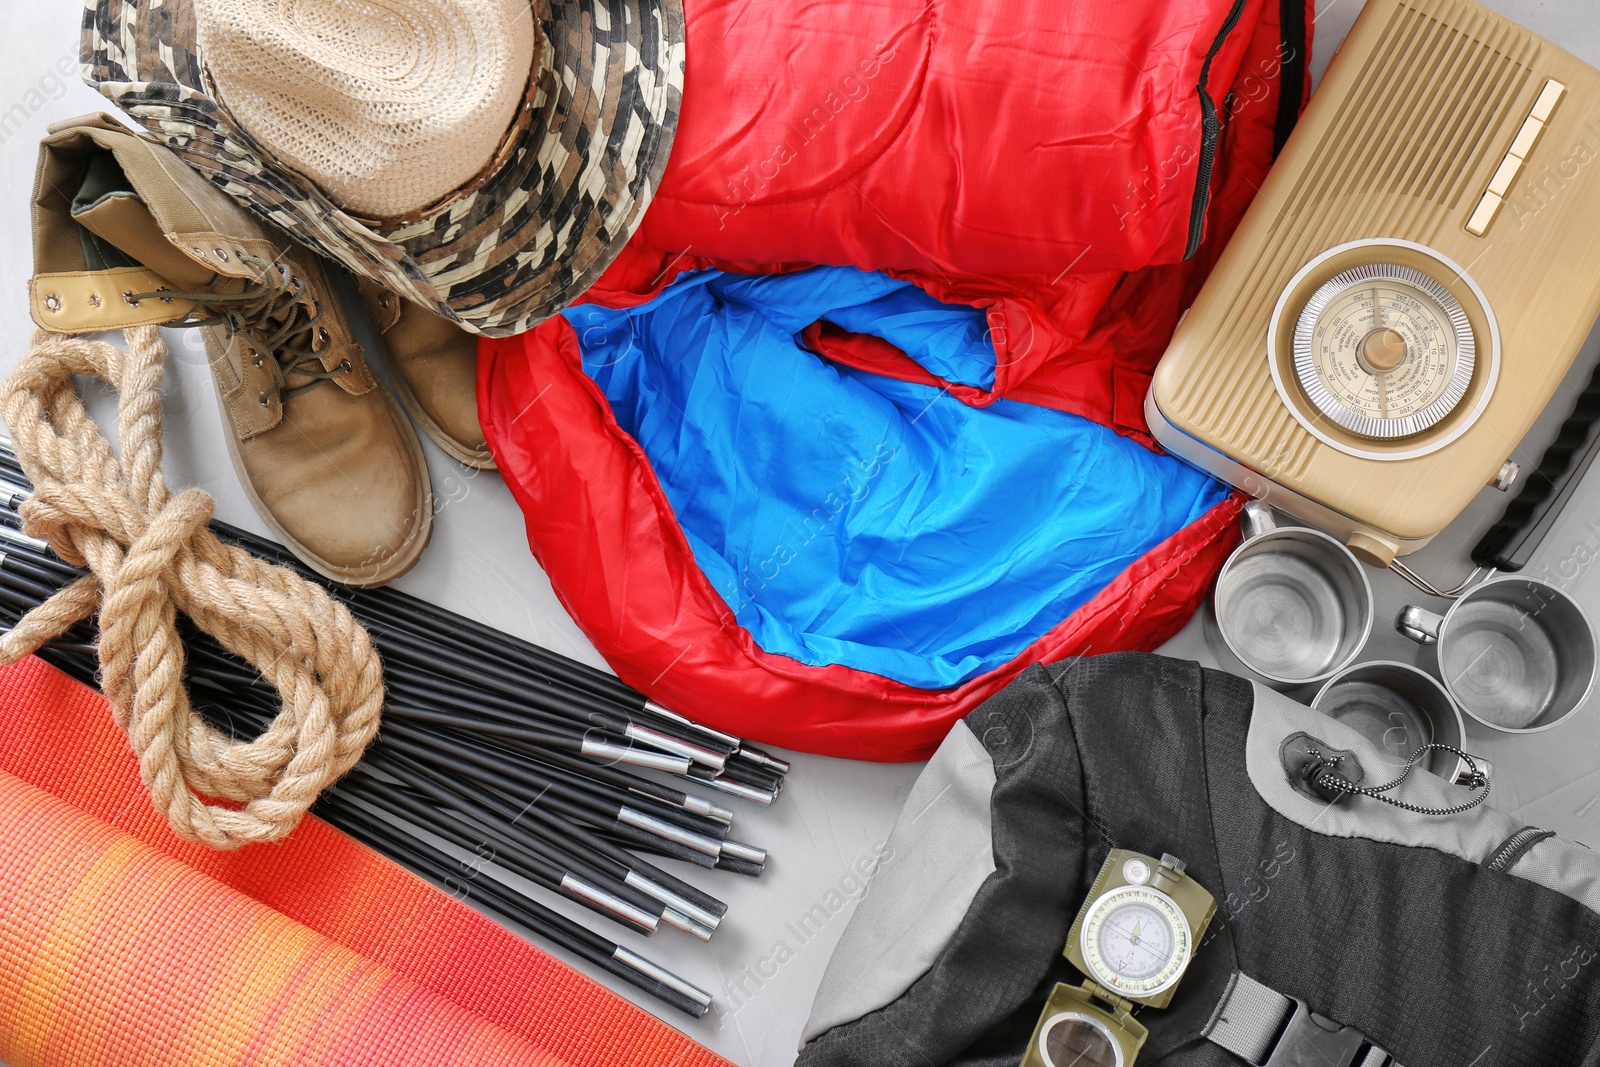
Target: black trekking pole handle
<point x="1510" y="542"/>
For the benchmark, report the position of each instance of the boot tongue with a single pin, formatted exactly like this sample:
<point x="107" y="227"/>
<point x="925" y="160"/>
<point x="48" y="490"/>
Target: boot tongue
<point x="119" y="231"/>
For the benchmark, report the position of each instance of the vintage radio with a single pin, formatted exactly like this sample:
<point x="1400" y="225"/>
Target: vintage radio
<point x="1409" y="287"/>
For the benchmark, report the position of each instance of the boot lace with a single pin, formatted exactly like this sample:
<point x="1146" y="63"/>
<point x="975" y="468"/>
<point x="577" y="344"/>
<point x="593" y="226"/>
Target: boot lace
<point x="273" y="315"/>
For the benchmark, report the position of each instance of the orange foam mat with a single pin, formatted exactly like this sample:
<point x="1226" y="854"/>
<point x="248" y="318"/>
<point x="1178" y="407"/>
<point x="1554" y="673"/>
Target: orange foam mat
<point x="111" y="952"/>
<point x="122" y="944"/>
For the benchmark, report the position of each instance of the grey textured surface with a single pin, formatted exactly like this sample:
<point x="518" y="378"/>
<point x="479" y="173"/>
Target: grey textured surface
<point x="835" y="812"/>
<point x="940" y="853"/>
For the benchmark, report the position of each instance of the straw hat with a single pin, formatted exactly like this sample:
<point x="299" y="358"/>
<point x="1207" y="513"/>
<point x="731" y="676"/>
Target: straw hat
<point x="487" y="158"/>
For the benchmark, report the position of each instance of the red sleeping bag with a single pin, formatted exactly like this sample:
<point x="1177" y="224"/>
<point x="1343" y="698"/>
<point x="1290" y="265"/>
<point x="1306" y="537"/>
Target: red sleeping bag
<point x="1071" y="168"/>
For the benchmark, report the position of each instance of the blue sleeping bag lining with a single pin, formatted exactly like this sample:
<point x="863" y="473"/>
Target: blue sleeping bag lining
<point x="851" y="518"/>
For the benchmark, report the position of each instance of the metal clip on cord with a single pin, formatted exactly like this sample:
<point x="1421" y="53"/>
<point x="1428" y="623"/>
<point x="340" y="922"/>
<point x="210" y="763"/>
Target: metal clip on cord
<point x="1320" y="774"/>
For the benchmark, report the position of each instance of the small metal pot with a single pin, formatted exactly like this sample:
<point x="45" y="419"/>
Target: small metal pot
<point x="1399" y="708"/>
<point x="1516" y="653"/>
<point x="1292" y="605"/>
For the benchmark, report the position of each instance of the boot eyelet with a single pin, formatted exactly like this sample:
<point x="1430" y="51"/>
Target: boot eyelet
<point x="52" y="303"/>
<point x="265" y="399"/>
<point x="94" y="300"/>
<point x="344" y="365"/>
<point x="221" y="254"/>
<point x="259" y="359"/>
<point x="384" y="299"/>
<point x="128" y="298"/>
<point x="322" y="336"/>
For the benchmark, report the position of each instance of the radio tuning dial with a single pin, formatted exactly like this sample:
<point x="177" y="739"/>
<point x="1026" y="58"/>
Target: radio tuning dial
<point x="1384" y="351"/>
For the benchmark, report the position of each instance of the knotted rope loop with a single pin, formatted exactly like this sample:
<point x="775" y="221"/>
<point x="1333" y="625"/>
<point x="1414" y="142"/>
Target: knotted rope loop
<point x="150" y="556"/>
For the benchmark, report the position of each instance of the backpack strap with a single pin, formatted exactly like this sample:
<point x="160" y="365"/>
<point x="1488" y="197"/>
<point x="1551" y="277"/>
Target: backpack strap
<point x="1267" y="1029"/>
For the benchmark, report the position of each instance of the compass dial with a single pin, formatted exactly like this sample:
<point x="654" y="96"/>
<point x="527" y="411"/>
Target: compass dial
<point x="1136" y="941"/>
<point x="1384" y="351"/>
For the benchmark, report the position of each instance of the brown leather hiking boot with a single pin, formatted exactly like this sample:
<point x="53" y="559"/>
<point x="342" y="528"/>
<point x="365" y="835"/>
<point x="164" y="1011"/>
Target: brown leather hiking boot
<point x="126" y="234"/>
<point x="435" y="373"/>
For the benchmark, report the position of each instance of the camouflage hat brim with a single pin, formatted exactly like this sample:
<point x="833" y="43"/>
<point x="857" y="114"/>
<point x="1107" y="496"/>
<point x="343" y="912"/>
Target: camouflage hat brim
<point x="521" y="245"/>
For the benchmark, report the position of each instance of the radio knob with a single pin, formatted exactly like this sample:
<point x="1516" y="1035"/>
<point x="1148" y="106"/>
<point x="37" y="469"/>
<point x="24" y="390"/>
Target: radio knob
<point x="1370" y="548"/>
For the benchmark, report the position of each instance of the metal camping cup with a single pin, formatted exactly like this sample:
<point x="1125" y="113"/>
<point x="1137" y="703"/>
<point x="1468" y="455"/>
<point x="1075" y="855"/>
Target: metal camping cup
<point x="1517" y="653"/>
<point x="1292" y="605"/>
<point x="1400" y="708"/>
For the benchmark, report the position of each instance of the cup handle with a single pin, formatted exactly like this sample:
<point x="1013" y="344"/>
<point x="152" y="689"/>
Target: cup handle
<point x="1419" y="624"/>
<point x="1258" y="519"/>
<point x="1464" y="776"/>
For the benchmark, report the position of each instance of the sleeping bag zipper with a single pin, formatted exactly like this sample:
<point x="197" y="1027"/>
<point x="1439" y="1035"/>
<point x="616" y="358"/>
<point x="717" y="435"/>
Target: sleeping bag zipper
<point x="1210" y="134"/>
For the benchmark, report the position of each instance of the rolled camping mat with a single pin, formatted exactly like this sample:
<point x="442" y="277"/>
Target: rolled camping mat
<point x="122" y="944"/>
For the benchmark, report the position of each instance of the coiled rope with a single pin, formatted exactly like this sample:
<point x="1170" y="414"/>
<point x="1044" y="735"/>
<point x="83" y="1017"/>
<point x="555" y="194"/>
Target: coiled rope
<point x="151" y="555"/>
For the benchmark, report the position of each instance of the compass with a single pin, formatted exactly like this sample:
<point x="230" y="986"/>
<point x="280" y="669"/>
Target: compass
<point x="1136" y="941"/>
<point x="1384" y="350"/>
<point x="1133" y="937"/>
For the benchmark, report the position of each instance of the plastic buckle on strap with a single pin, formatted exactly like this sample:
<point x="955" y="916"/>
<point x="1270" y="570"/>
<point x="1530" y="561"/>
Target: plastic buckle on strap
<point x="1311" y="1040"/>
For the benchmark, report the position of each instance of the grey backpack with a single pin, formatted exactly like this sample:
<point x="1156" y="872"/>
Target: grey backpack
<point x="1351" y="931"/>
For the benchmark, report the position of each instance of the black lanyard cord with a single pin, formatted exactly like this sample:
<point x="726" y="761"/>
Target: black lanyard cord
<point x="1322" y="774"/>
